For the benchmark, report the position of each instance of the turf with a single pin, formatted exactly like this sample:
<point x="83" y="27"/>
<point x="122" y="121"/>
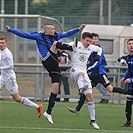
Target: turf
<point x="16" y="118"/>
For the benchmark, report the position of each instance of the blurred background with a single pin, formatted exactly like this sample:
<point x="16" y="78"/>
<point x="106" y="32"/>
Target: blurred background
<point x="111" y="19"/>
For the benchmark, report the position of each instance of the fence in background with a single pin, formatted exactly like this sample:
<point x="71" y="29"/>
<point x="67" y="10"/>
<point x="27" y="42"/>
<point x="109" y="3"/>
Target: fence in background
<point x="72" y="13"/>
<point x="24" y="50"/>
<point x="35" y="83"/>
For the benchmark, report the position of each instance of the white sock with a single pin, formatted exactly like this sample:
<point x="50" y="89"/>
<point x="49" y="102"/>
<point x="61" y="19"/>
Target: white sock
<point x="80" y="82"/>
<point x="27" y="102"/>
<point x="91" y="109"/>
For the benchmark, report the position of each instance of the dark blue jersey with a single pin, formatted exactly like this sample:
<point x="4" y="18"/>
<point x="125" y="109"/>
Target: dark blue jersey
<point x="100" y="68"/>
<point x="49" y="39"/>
<point x="129" y="71"/>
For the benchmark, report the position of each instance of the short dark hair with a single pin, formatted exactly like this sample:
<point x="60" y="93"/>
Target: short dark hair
<point x="47" y="24"/>
<point x="130" y="39"/>
<point x="95" y="35"/>
<point x="2" y="38"/>
<point x="86" y="34"/>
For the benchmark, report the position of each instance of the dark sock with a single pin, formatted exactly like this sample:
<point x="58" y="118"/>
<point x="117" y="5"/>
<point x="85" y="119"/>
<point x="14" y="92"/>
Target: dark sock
<point x="63" y="46"/>
<point x="119" y="90"/>
<point x="81" y="102"/>
<point x="51" y="104"/>
<point x="128" y="111"/>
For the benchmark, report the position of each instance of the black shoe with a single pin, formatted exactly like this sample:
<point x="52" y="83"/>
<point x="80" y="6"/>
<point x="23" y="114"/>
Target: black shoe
<point x="104" y="101"/>
<point x="127" y="124"/>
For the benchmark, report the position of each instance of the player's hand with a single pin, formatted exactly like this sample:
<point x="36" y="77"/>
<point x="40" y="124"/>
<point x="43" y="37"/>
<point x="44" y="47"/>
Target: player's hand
<point x="122" y="80"/>
<point x="82" y="26"/>
<point x="127" y="81"/>
<point x="123" y="62"/>
<point x="54" y="43"/>
<point x="7" y="27"/>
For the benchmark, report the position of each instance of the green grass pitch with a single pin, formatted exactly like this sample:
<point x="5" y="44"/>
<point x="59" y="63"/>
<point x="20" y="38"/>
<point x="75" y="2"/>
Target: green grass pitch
<point x="17" y="118"/>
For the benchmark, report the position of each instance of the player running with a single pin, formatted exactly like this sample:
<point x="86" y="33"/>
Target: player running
<point x="8" y="77"/>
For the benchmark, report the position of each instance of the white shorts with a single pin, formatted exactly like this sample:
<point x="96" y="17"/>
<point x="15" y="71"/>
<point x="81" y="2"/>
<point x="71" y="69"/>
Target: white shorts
<point x="74" y="75"/>
<point x="10" y="84"/>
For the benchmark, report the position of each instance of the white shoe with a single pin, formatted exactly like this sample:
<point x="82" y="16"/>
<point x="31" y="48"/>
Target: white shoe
<point x="73" y="110"/>
<point x="94" y="124"/>
<point x="48" y="117"/>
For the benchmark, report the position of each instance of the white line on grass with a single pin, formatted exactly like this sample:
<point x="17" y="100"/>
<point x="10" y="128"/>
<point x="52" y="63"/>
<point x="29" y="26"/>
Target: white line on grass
<point x="67" y="129"/>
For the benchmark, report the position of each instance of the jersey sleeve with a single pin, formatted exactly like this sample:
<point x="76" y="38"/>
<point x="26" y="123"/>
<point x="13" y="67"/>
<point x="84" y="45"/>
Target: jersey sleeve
<point x="98" y="61"/>
<point x="33" y="35"/>
<point x="68" y="33"/>
<point x="126" y="75"/>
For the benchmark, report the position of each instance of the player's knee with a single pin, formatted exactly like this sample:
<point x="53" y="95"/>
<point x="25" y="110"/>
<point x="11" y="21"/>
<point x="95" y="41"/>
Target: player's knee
<point x="109" y="88"/>
<point x="89" y="97"/>
<point x="55" y="87"/>
<point x="55" y="77"/>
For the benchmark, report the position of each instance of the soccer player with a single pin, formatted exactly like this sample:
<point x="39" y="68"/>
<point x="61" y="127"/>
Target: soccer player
<point x="98" y="70"/>
<point x="48" y="51"/>
<point x="78" y="71"/>
<point x="98" y="75"/>
<point x="8" y="77"/>
<point x="128" y="79"/>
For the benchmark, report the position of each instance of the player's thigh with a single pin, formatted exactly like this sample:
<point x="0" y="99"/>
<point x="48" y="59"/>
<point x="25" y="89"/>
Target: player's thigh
<point x="11" y="85"/>
<point x="74" y="73"/>
<point x="104" y="80"/>
<point x="87" y="82"/>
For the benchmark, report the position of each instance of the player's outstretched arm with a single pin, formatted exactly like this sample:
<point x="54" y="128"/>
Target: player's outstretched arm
<point x="23" y="34"/>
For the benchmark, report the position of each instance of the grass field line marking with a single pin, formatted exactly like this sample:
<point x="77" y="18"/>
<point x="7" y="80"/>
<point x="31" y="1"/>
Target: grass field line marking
<point x="67" y="129"/>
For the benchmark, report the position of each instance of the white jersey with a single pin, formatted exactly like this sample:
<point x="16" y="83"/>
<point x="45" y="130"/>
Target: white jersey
<point x="79" y="60"/>
<point x="82" y="54"/>
<point x="8" y="76"/>
<point x="6" y="64"/>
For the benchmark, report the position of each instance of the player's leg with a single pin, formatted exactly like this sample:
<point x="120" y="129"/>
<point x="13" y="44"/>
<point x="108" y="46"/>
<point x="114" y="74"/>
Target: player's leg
<point x="104" y="80"/>
<point x="81" y="101"/>
<point x="128" y="109"/>
<point x="12" y="87"/>
<point x="52" y="67"/>
<point x="60" y="45"/>
<point x="78" y="77"/>
<point x="91" y="107"/>
<point x="65" y="46"/>
<point x="128" y="112"/>
<point x="97" y="81"/>
<point x="27" y="102"/>
<point x="59" y="91"/>
<point x="79" y="106"/>
<point x="90" y="102"/>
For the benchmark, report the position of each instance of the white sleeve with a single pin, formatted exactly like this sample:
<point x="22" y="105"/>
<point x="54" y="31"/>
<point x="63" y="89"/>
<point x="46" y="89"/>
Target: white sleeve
<point x="96" y="49"/>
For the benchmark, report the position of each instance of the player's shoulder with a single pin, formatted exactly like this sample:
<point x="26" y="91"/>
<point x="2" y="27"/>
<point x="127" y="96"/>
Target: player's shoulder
<point x="36" y="32"/>
<point x="7" y="53"/>
<point x="92" y="46"/>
